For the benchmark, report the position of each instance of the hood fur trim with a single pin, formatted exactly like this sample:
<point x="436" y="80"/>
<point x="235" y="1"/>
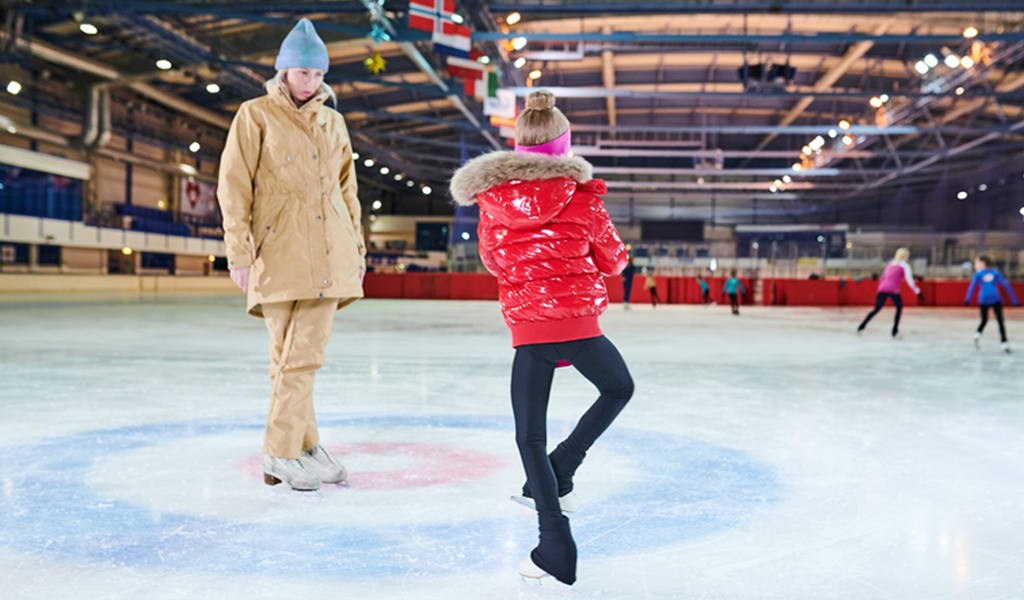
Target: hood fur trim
<point x="493" y="169"/>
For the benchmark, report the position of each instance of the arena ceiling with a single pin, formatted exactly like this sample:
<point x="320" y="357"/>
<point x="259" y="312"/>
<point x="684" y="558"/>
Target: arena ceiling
<point x="653" y="88"/>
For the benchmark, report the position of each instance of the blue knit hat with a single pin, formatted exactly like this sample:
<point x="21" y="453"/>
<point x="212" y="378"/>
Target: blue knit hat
<point x="303" y="48"/>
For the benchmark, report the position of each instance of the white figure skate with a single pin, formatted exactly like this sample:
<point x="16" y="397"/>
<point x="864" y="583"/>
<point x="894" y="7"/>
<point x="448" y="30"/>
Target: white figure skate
<point x="324" y="466"/>
<point x="289" y="471"/>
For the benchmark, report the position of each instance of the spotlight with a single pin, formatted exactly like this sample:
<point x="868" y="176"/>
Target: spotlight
<point x="961" y="195"/>
<point x="806" y="149"/>
<point x="970" y="32"/>
<point x="778" y="183"/>
<point x="535" y="74"/>
<point x="457" y="18"/>
<point x="959" y="91"/>
<point x="844" y="124"/>
<point x="377" y="204"/>
<point x="211" y="258"/>
<point x="519" y="62"/>
<point x="484" y="59"/>
<point x="518" y="43"/>
<point x="772" y="189"/>
<point x="797" y="166"/>
<point x="126" y="251"/>
<point x="875" y="102"/>
<point x="787" y="179"/>
<point x="920" y="67"/>
<point x="194" y="147"/>
<point x="13" y="88"/>
<point x="884" y="98"/>
<point x="847" y="140"/>
<point x="931" y="61"/>
<point x="513" y="18"/>
<point x="465" y="234"/>
<point x="368" y="162"/>
<point x="427" y="190"/>
<point x="163" y="64"/>
<point x="384" y="170"/>
<point x="355" y="156"/>
<point x="1022" y="210"/>
<point x="213" y="88"/>
<point x="817" y="143"/>
<point x="952" y="61"/>
<point x="399" y="176"/>
<point x="88" y="29"/>
<point x="967" y="62"/>
<point x="983" y="187"/>
<point x="410" y="183"/>
<point x="832" y="133"/>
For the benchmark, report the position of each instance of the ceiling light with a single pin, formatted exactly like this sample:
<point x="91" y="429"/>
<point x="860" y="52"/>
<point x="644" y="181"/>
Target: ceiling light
<point x="427" y="190"/>
<point x="817" y="142"/>
<point x="88" y="29"/>
<point x="12" y="129"/>
<point x="13" y="88"/>
<point x="399" y="176"/>
<point x="518" y="43"/>
<point x="535" y="74"/>
<point x="806" y="149"/>
<point x="194" y="147"/>
<point x="126" y="251"/>
<point x="410" y="183"/>
<point x="1022" y="210"/>
<point x="213" y="88"/>
<point x="797" y="166"/>
<point x="778" y="183"/>
<point x="457" y="18"/>
<point x="983" y="187"/>
<point x="970" y="32"/>
<point x="847" y="140"/>
<point x="484" y="59"/>
<point x="466" y="236"/>
<point x="787" y="178"/>
<point x="967" y="62"/>
<point x="773" y="189"/>
<point x="961" y="195"/>
<point x="832" y="133"/>
<point x="931" y="61"/>
<point x="844" y="124"/>
<point x="920" y="67"/>
<point x="355" y="156"/>
<point x="368" y="162"/>
<point x="384" y="170"/>
<point x="519" y="62"/>
<point x="952" y="61"/>
<point x="884" y="97"/>
<point x="876" y="102"/>
<point x="163" y="64"/>
<point x="513" y="18"/>
<point x="959" y="91"/>
<point x="377" y="204"/>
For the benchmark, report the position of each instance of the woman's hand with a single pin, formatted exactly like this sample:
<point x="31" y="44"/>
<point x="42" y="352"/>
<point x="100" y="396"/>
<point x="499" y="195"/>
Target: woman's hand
<point x="241" y="278"/>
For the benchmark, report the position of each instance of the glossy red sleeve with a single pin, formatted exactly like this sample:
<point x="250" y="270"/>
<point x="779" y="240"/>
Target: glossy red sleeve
<point x="485" y="237"/>
<point x="606" y="245"/>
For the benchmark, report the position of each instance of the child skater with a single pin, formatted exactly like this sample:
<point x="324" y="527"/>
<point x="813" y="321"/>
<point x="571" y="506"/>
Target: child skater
<point x="988" y="280"/>
<point x="545" y="234"/>
<point x="705" y="291"/>
<point x="734" y="287"/>
<point x="894" y="274"/>
<point x="652" y="289"/>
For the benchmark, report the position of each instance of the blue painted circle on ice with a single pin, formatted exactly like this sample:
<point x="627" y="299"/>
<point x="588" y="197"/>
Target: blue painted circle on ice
<point x="683" y="488"/>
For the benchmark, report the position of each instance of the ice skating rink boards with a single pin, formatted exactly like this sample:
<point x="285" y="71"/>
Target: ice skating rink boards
<point x="771" y="455"/>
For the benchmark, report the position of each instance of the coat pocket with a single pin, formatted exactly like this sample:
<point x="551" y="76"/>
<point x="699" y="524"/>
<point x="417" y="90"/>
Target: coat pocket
<point x="266" y="227"/>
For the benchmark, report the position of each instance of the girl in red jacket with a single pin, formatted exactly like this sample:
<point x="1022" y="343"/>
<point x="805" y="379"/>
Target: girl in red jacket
<point x="545" y="234"/>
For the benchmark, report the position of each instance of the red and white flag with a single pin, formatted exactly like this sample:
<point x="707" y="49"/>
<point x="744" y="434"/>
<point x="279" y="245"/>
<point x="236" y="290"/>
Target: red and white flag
<point x="435" y="16"/>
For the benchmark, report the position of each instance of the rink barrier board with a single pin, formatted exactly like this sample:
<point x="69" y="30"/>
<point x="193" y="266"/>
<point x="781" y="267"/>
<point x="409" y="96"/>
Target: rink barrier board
<point x="676" y="290"/>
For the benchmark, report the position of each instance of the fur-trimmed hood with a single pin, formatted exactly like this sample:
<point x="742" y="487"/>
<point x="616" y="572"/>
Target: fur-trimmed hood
<point x="496" y="168"/>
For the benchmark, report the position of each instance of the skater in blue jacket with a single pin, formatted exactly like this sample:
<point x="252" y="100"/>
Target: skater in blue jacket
<point x="734" y="287"/>
<point x="988" y="282"/>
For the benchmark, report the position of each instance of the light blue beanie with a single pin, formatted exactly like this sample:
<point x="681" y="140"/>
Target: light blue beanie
<point x="303" y="48"/>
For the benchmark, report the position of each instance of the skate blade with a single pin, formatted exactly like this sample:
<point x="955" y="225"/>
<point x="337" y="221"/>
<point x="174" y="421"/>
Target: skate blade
<point x="544" y="587"/>
<point x="530" y="504"/>
<point x="285" y="493"/>
<point x="338" y="484"/>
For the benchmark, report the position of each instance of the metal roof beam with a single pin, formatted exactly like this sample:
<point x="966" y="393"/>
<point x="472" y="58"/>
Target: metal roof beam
<point x="755" y="7"/>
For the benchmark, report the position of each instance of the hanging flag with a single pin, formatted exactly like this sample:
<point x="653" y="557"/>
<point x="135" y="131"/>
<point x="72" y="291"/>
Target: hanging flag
<point x="424" y="14"/>
<point x="465" y="68"/>
<point x="502" y="105"/>
<point x="451" y="39"/>
<point x="483" y="88"/>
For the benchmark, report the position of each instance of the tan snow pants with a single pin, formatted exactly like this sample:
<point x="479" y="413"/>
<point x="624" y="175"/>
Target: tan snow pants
<point x="299" y="332"/>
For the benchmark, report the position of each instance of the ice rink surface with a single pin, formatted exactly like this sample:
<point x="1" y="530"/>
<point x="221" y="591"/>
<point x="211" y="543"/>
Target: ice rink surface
<point x="771" y="455"/>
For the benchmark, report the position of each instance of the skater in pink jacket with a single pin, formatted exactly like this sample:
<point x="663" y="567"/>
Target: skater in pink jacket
<point x="896" y="272"/>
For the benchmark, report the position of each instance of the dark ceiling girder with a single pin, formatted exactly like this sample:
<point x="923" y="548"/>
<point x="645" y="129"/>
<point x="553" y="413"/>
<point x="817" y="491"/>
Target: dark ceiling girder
<point x="751" y="6"/>
<point x="824" y="39"/>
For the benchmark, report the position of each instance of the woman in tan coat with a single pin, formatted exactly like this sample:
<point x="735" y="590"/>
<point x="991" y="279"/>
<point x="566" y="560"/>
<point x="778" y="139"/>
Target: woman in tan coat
<point x="294" y="240"/>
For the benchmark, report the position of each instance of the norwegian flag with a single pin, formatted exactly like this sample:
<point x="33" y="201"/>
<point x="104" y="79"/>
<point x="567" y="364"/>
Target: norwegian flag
<point x="435" y="16"/>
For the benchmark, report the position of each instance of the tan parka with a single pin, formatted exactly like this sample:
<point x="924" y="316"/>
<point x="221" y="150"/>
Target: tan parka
<point x="287" y="192"/>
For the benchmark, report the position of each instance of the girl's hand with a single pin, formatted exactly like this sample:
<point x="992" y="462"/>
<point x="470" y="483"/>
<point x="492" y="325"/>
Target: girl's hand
<point x="241" y="278"/>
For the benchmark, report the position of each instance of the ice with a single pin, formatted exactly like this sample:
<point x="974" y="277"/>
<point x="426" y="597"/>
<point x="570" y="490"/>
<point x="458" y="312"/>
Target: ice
<point x="770" y="455"/>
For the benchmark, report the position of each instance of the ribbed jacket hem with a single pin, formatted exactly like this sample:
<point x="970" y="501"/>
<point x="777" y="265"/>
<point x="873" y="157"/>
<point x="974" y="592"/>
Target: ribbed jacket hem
<point x="547" y="332"/>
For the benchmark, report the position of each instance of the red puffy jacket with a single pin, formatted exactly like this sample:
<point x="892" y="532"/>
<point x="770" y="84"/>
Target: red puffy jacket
<point x="544" y="232"/>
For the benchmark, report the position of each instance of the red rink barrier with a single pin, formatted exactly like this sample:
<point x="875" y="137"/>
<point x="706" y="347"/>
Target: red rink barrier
<point x="676" y="290"/>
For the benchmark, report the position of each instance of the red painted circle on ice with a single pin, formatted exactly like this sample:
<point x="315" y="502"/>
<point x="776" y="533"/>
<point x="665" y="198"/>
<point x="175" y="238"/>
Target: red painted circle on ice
<point x="435" y="464"/>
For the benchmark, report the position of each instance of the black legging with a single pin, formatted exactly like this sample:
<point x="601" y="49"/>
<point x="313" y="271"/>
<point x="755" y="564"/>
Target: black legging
<point x="998" y="309"/>
<point x="548" y="477"/>
<point x="879" y="303"/>
<point x="734" y="302"/>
